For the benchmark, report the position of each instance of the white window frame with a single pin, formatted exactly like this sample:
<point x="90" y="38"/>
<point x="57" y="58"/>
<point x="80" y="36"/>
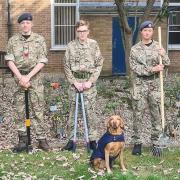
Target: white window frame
<point x="173" y="3"/>
<point x="173" y="46"/>
<point x="53" y="4"/>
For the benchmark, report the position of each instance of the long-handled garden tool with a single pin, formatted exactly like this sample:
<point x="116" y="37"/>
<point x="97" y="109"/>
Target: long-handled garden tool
<point x="28" y="122"/>
<point x="163" y="138"/>
<point x="80" y="94"/>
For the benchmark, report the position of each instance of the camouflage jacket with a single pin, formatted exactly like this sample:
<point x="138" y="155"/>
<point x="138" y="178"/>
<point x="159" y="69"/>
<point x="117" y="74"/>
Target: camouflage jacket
<point x="83" y="58"/>
<point x="143" y="58"/>
<point x="26" y="54"/>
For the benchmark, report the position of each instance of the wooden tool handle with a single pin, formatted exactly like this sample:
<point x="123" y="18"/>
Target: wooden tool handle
<point x="161" y="82"/>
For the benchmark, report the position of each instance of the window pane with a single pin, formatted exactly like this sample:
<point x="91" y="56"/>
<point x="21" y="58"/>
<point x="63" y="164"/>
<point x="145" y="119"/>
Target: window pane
<point x="174" y="28"/>
<point x="174" y="18"/>
<point x="65" y="1"/>
<point x="64" y="23"/>
<point x="64" y="34"/>
<point x="174" y="1"/>
<point x="64" y="15"/>
<point x="173" y="38"/>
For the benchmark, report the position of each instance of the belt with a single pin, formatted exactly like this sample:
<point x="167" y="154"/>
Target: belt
<point x="24" y="72"/>
<point x="151" y="77"/>
<point x="82" y="75"/>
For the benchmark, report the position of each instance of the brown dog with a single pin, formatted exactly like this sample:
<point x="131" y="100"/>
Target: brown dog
<point x="110" y="146"/>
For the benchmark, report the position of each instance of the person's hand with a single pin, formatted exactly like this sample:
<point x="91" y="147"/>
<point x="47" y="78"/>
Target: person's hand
<point x="78" y="86"/>
<point x="158" y="68"/>
<point x="24" y="80"/>
<point x="25" y="86"/>
<point x="161" y="52"/>
<point x="87" y="85"/>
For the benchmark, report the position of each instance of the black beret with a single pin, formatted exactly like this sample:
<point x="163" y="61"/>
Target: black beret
<point x="146" y="24"/>
<point x="25" y="16"/>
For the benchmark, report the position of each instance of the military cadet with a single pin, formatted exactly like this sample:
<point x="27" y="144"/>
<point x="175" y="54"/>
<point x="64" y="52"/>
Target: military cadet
<point x="82" y="65"/>
<point x="26" y="56"/>
<point x="145" y="67"/>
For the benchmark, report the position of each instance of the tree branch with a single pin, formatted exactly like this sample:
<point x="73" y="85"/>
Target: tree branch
<point x="123" y="16"/>
<point x="162" y="12"/>
<point x="148" y="9"/>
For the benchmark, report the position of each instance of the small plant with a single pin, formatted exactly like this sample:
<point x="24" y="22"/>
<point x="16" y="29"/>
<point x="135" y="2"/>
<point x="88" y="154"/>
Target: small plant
<point x="172" y="92"/>
<point x="111" y="106"/>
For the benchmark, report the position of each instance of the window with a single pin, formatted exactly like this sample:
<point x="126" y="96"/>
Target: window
<point x="174" y="30"/>
<point x="64" y="14"/>
<point x="174" y="2"/>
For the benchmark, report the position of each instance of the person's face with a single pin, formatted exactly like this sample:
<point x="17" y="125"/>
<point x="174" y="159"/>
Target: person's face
<point x="82" y="33"/>
<point x="25" y="26"/>
<point x="147" y="33"/>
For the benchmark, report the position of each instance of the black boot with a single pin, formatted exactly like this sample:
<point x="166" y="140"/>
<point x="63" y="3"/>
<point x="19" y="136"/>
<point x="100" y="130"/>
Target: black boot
<point x="68" y="146"/>
<point x="43" y="145"/>
<point x="93" y="145"/>
<point x="137" y="149"/>
<point x="22" y="144"/>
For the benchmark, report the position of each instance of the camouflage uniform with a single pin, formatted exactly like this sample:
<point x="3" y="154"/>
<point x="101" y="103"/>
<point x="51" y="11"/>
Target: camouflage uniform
<point x="146" y="88"/>
<point x="26" y="54"/>
<point x="83" y="62"/>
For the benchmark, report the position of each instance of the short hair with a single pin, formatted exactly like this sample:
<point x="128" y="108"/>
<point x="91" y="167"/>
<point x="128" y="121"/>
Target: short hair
<point x="82" y="23"/>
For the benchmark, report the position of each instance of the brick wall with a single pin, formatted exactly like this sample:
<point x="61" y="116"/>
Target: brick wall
<point x="3" y="25"/>
<point x="100" y="30"/>
<point x="175" y="62"/>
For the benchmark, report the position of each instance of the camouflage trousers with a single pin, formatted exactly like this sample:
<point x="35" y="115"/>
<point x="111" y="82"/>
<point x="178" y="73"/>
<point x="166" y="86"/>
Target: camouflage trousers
<point x="89" y="103"/>
<point x="146" y="94"/>
<point x="36" y="104"/>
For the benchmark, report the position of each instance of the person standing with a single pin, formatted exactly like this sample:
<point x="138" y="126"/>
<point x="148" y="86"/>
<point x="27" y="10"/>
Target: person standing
<point x="26" y="56"/>
<point x="145" y="68"/>
<point x="82" y="66"/>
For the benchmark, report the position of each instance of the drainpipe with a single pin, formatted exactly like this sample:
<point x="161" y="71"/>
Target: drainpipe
<point x="9" y="25"/>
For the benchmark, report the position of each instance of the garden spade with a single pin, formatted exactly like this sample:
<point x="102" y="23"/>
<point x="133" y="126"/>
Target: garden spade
<point x="28" y="122"/>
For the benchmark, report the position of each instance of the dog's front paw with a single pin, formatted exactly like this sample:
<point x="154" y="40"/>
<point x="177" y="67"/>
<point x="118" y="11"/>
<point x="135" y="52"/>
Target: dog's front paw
<point x="124" y="169"/>
<point x="109" y="171"/>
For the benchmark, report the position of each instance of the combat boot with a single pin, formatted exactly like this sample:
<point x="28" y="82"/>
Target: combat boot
<point x="43" y="145"/>
<point x="93" y="145"/>
<point x="137" y="149"/>
<point x="22" y="144"/>
<point x="68" y="146"/>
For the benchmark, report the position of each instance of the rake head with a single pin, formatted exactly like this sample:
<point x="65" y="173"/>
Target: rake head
<point x="158" y="150"/>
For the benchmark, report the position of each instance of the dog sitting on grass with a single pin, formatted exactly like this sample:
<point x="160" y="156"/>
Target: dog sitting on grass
<point x="110" y="146"/>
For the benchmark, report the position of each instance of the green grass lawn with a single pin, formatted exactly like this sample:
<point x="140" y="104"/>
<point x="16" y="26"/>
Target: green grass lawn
<point x="65" y="165"/>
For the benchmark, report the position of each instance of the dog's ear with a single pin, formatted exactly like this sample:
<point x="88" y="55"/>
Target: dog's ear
<point x="109" y="123"/>
<point x="121" y="123"/>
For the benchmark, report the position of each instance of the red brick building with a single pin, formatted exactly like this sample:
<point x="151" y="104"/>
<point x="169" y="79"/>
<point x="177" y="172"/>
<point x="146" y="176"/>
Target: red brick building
<point x="55" y="20"/>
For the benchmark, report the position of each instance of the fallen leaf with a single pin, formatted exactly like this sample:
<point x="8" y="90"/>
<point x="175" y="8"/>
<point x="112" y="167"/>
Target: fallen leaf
<point x="41" y="165"/>
<point x="76" y="156"/>
<point x="66" y="164"/>
<point x="178" y="171"/>
<point x="101" y="173"/>
<point x="72" y="169"/>
<point x="161" y="162"/>
<point x="167" y="171"/>
<point x="81" y="177"/>
<point x="91" y="171"/>
<point x="136" y="168"/>
<point x="94" y="177"/>
<point x="135" y="173"/>
<point x="62" y="158"/>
